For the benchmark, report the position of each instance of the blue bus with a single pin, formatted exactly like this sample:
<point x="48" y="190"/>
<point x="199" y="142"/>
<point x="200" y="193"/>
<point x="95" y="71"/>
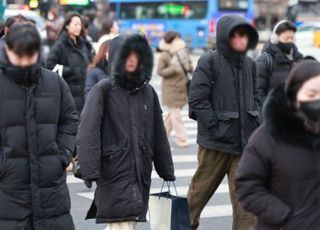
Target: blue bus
<point x="194" y="19"/>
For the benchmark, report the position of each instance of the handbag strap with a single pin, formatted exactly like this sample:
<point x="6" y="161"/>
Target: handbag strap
<point x="183" y="67"/>
<point x="168" y="185"/>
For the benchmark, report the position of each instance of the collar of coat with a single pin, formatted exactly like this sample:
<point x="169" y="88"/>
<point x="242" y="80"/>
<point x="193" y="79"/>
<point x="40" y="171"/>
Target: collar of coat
<point x="279" y="55"/>
<point x="283" y="122"/>
<point x="65" y="38"/>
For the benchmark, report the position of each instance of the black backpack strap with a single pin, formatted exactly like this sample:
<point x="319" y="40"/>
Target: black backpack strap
<point x="216" y="65"/>
<point x="269" y="63"/>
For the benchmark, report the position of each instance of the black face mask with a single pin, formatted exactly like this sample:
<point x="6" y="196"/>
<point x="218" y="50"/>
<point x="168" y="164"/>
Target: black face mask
<point x="311" y="109"/>
<point x="286" y="47"/>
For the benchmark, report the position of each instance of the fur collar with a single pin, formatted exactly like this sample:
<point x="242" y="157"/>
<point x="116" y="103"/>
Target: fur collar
<point x="283" y="122"/>
<point x="172" y="48"/>
<point x="133" y="82"/>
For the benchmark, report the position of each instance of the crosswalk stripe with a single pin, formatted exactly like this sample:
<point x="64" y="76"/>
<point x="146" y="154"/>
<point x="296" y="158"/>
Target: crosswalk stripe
<point x="178" y="173"/>
<point x="182" y="191"/>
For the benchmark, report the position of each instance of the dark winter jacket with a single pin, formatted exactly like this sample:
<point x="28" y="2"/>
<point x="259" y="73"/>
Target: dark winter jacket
<point x="278" y="176"/>
<point x="279" y="68"/>
<point x="38" y="123"/>
<point x="120" y="134"/>
<point x="95" y="75"/>
<point x="225" y="105"/>
<point x="75" y="60"/>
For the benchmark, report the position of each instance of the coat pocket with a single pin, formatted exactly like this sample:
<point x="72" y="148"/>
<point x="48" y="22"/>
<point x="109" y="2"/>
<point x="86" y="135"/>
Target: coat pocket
<point x="113" y="160"/>
<point x="147" y="159"/>
<point x="227" y="129"/>
<point x="64" y="159"/>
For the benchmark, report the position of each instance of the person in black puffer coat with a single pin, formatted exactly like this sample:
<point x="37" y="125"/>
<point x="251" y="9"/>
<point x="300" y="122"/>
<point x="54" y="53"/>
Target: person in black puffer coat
<point x="71" y="53"/>
<point x="38" y="123"/>
<point x="277" y="59"/>
<point x="278" y="176"/>
<point x="121" y="134"/>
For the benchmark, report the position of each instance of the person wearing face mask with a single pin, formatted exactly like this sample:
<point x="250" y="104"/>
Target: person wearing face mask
<point x="277" y="59"/>
<point x="278" y="176"/>
<point x="121" y="134"/>
<point x="71" y="57"/>
<point x="38" y="123"/>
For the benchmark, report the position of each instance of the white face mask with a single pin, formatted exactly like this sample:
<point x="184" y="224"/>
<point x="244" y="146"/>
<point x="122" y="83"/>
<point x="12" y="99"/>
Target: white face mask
<point x="50" y="16"/>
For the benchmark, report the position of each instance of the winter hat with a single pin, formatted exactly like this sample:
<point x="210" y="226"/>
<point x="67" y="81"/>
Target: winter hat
<point x="279" y="28"/>
<point x="301" y="73"/>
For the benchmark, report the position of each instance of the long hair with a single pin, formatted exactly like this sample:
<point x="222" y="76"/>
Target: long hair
<point x="67" y="22"/>
<point x="100" y="55"/>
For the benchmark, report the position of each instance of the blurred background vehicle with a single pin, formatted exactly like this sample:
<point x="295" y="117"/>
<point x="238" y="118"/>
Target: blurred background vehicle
<point x="308" y="39"/>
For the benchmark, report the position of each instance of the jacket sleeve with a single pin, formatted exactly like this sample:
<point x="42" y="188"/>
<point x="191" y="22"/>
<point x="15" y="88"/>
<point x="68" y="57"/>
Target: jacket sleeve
<point x="201" y="91"/>
<point x="91" y="80"/>
<point x="55" y="57"/>
<point x="89" y="134"/>
<point x="253" y="175"/>
<point x="162" y="154"/>
<point x="165" y="69"/>
<point x="68" y="119"/>
<point x="262" y="78"/>
<point x="257" y="96"/>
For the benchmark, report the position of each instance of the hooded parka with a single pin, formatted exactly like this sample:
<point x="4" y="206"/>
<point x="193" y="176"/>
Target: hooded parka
<point x="120" y="134"/>
<point x="225" y="100"/>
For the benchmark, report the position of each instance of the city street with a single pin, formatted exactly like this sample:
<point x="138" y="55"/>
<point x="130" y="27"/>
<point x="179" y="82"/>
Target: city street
<point x="217" y="214"/>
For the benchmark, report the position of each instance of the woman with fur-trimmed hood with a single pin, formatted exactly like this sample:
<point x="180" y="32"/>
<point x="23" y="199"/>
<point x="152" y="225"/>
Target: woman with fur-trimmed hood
<point x="278" y="175"/>
<point x="174" y="66"/>
<point x="121" y="134"/>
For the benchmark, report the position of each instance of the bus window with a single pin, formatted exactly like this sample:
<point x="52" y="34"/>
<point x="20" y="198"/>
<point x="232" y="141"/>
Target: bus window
<point x="167" y="10"/>
<point x="240" y="5"/>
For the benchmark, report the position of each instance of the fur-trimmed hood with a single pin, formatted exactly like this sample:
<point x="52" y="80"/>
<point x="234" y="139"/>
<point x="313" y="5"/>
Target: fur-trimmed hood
<point x="174" y="47"/>
<point x="284" y="122"/>
<point x="127" y="44"/>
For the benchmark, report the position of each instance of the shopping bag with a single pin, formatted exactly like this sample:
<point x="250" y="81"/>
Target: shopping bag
<point x="168" y="212"/>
